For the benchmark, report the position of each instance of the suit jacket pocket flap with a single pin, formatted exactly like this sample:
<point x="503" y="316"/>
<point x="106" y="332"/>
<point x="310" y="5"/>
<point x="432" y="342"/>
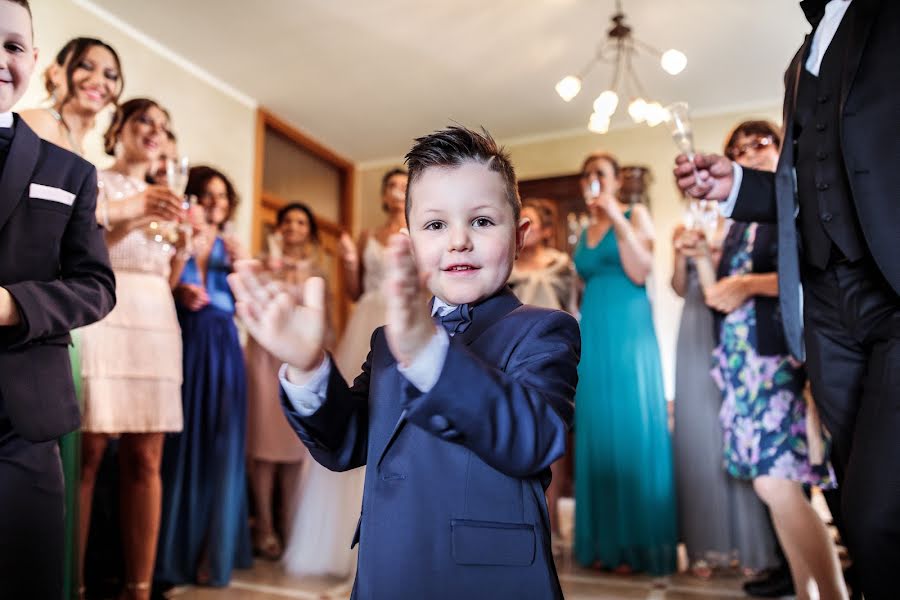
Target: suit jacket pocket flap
<point x="492" y="543"/>
<point x="37" y="392"/>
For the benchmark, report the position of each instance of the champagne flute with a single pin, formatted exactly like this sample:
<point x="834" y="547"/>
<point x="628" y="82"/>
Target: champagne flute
<point x="177" y="174"/>
<point x="678" y="118"/>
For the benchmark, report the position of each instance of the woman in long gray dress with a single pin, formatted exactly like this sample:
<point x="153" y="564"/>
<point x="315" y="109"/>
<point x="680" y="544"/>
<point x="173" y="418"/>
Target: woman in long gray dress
<point x="718" y="515"/>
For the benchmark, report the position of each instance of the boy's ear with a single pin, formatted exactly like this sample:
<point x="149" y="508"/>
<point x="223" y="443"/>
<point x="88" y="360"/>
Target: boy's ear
<point x="521" y="233"/>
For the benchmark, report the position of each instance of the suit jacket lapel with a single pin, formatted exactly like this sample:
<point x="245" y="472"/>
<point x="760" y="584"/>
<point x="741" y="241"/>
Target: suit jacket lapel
<point x="489" y="312"/>
<point x="21" y="160"/>
<point x="863" y="15"/>
<point x="483" y="316"/>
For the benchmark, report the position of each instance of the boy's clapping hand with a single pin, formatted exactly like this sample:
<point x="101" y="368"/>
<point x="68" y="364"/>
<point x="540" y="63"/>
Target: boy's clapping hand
<point x="291" y="328"/>
<point x="409" y="326"/>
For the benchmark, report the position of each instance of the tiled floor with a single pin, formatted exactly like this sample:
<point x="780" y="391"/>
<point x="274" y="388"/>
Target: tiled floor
<point x="266" y="581"/>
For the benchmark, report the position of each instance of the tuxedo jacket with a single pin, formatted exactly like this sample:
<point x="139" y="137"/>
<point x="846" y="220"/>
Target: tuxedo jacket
<point x="454" y="502"/>
<point x="869" y="127"/>
<point x="54" y="263"/>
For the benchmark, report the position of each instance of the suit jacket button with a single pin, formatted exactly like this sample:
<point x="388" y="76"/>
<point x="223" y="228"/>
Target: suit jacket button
<point x="820" y="126"/>
<point x="820" y="155"/>
<point x="826" y="217"/>
<point x="821" y="186"/>
<point x="822" y="99"/>
<point x="439" y="422"/>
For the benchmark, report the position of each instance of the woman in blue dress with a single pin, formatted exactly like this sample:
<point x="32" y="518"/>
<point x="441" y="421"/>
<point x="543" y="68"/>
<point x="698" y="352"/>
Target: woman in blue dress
<point x="624" y="487"/>
<point x="204" y="532"/>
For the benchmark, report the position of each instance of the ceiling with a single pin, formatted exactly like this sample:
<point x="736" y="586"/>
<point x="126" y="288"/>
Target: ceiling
<point x="366" y="76"/>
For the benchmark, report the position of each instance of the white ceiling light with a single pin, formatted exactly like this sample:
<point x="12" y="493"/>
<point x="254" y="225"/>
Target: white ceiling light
<point x="619" y="49"/>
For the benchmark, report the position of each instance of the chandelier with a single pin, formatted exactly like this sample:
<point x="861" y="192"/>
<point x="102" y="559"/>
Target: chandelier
<point x="619" y="49"/>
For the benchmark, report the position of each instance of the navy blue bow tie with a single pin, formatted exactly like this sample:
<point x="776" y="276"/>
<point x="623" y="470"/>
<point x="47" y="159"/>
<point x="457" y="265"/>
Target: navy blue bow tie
<point x="457" y="320"/>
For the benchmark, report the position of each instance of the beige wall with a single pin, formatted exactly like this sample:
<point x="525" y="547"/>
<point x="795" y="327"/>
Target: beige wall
<point x="294" y="174"/>
<point x="213" y="126"/>
<point x="642" y="145"/>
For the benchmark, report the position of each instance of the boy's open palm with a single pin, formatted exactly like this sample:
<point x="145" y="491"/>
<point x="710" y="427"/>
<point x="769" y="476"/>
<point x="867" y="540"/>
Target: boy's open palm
<point x="290" y="325"/>
<point x="408" y="326"/>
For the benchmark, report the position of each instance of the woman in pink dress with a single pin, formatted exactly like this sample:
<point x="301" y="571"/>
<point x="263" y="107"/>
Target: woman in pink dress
<point x="273" y="449"/>
<point x="131" y="360"/>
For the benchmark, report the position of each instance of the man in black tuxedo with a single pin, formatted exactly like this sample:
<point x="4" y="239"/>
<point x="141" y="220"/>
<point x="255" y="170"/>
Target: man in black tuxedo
<point x="838" y="186"/>
<point x="54" y="277"/>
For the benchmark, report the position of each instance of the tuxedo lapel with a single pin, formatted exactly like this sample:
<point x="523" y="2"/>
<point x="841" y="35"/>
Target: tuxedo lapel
<point x="21" y="161"/>
<point x="483" y="316"/>
<point x="489" y="312"/>
<point x="863" y="14"/>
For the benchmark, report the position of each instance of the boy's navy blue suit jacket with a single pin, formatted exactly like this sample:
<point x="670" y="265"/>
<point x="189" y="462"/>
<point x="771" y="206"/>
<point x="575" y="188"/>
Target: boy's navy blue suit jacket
<point x="54" y="263"/>
<point x="454" y="493"/>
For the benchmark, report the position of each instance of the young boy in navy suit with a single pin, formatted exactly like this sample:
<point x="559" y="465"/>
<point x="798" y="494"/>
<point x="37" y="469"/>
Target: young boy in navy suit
<point x="54" y="277"/>
<point x="457" y="424"/>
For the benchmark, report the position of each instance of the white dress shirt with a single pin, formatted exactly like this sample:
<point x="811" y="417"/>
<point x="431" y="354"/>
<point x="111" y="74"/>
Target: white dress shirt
<point x="423" y="372"/>
<point x="6" y="119"/>
<point x="828" y="26"/>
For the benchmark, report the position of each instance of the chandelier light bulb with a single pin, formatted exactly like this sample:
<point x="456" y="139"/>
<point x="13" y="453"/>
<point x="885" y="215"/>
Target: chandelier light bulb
<point x="655" y="114"/>
<point x="606" y="103"/>
<point x="568" y="87"/>
<point x="637" y="110"/>
<point x="673" y="61"/>
<point x="599" y="123"/>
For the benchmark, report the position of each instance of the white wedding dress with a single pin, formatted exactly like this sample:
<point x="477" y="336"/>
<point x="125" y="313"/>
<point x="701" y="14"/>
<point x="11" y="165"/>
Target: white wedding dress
<point x="327" y="504"/>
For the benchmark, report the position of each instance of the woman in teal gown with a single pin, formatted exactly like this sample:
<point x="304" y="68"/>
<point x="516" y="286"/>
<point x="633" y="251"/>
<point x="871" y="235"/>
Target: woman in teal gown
<point x="624" y="486"/>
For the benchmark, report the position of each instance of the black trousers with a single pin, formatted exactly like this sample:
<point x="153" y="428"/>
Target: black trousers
<point x="852" y="329"/>
<point x="32" y="528"/>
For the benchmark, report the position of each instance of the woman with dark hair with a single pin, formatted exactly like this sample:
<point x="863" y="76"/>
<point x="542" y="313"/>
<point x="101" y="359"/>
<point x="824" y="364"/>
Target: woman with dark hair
<point x="131" y="360"/>
<point x="204" y="532"/>
<point x="624" y="485"/>
<point x="720" y="518"/>
<point x="764" y="412"/>
<point x="84" y="79"/>
<point x="274" y="451"/>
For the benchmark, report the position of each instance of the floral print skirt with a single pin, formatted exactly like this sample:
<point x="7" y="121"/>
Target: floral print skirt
<point x="763" y="412"/>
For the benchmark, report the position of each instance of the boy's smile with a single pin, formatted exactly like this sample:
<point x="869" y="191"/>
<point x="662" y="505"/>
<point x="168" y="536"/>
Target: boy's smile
<point x="463" y="231"/>
<point x="17" y="56"/>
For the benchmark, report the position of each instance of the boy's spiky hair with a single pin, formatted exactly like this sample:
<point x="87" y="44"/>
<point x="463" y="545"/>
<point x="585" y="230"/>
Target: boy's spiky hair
<point x="454" y="146"/>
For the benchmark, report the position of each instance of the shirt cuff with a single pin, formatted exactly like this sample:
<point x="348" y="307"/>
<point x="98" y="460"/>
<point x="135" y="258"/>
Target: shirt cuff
<point x="306" y="399"/>
<point x="424" y="371"/>
<point x="727" y="207"/>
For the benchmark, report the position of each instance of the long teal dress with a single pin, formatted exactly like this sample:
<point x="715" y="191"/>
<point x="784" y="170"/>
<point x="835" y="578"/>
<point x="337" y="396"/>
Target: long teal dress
<point x="624" y="485"/>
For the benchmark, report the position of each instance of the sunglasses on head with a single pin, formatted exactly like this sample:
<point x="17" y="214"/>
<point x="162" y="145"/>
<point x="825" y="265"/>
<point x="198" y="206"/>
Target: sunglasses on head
<point x="756" y="144"/>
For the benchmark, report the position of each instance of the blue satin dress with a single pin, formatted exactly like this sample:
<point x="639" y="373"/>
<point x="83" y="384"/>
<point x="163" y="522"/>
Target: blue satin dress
<point x="624" y="484"/>
<point x="204" y="521"/>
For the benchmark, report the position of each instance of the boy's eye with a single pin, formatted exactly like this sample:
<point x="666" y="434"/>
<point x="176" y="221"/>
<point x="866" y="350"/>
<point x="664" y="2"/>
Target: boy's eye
<point x="11" y="47"/>
<point x="434" y="226"/>
<point x="86" y="65"/>
<point x="112" y="76"/>
<point x="482" y="222"/>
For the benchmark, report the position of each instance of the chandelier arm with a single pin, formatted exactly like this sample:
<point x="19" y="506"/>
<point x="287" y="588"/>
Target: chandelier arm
<point x="634" y="77"/>
<point x="647" y="47"/>
<point x="617" y="72"/>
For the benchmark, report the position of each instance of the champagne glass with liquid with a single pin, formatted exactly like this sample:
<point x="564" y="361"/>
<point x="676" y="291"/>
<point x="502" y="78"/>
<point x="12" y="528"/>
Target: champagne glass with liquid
<point x="177" y="174"/>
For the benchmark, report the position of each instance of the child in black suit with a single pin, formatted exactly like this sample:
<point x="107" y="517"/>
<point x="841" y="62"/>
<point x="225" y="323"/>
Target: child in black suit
<point x="54" y="277"/>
